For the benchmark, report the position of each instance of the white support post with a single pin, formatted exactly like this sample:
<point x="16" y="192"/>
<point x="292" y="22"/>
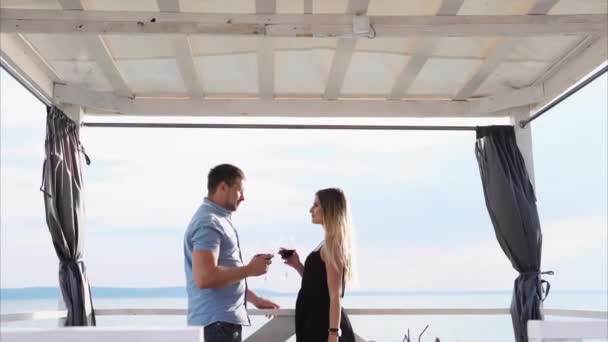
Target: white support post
<point x="74" y="112"/>
<point x="523" y="136"/>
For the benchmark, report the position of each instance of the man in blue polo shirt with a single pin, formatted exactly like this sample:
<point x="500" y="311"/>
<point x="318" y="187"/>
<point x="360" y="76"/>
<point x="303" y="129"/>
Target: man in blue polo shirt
<point x="216" y="276"/>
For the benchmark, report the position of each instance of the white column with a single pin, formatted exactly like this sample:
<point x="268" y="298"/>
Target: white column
<point x="523" y="137"/>
<point x="74" y="112"/>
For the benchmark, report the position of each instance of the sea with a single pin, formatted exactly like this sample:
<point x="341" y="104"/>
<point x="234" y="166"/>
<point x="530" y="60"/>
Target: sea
<point x="495" y="328"/>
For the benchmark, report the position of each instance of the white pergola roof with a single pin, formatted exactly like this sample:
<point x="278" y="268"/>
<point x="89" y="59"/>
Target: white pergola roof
<point x="417" y="58"/>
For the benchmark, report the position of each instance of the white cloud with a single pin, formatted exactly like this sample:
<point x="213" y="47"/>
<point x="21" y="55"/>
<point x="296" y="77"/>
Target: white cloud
<point x="576" y="248"/>
<point x="138" y="186"/>
<point x="144" y="185"/>
<point x="21" y="200"/>
<point x="442" y="265"/>
<point x="27" y="258"/>
<point x="574" y="236"/>
<point x="160" y="180"/>
<point x="25" y="152"/>
<point x="569" y="244"/>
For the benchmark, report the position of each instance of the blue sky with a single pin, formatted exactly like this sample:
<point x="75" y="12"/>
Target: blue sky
<point x="416" y="199"/>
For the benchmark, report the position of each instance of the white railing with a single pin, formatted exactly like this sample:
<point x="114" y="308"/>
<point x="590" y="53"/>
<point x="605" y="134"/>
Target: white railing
<point x="98" y="334"/>
<point x="567" y="331"/>
<point x="281" y="326"/>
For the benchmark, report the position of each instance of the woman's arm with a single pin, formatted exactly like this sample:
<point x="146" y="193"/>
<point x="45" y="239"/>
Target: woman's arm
<point x="334" y="283"/>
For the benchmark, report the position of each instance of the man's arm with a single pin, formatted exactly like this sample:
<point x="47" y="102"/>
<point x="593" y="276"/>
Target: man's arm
<point x="259" y="302"/>
<point x="207" y="273"/>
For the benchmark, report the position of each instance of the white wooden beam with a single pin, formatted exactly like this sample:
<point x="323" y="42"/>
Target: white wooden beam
<point x="265" y="6"/>
<point x="265" y="68"/>
<point x="572" y="53"/>
<point x="32" y="53"/>
<point x="500" y="50"/>
<point x="74" y="112"/>
<point x="339" y="66"/>
<point x="72" y="5"/>
<point x="105" y="60"/>
<point x="449" y="7"/>
<point x="295" y="25"/>
<point x="100" y="50"/>
<point x="512" y="98"/>
<point x="186" y="66"/>
<point x="575" y="68"/>
<point x="343" y="54"/>
<point x="265" y="53"/>
<point x="183" y="53"/>
<point x="171" y="6"/>
<point x="39" y="59"/>
<point x="20" y="60"/>
<point x="307" y="6"/>
<point x="424" y="49"/>
<point x="357" y="7"/>
<point x="542" y="7"/>
<point x="293" y="107"/>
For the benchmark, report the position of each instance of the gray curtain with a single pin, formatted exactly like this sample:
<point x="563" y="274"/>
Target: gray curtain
<point x="511" y="203"/>
<point x="62" y="189"/>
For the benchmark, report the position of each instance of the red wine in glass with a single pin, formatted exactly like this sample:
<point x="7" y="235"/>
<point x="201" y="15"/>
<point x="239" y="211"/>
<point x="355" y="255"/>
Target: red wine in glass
<point x="286" y="253"/>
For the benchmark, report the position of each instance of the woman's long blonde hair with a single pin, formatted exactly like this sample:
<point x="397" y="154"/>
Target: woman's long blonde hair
<point x="338" y="230"/>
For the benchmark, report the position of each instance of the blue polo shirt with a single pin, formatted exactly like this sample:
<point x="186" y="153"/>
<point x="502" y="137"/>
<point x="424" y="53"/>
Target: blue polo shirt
<point x="211" y="229"/>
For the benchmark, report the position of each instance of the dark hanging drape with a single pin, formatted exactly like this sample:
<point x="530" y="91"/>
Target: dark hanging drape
<point x="62" y="189"/>
<point x="511" y="203"/>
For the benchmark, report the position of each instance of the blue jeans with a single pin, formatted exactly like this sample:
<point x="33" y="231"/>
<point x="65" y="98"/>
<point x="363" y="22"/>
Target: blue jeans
<point x="223" y="332"/>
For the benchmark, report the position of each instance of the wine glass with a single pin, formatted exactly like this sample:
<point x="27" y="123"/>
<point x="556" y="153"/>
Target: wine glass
<point x="266" y="247"/>
<point x="287" y="248"/>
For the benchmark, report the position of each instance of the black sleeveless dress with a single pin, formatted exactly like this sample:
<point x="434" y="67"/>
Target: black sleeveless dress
<point x="312" y="305"/>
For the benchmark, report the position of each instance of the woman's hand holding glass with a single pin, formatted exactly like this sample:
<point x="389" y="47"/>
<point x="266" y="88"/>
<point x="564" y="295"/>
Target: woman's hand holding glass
<point x="292" y="259"/>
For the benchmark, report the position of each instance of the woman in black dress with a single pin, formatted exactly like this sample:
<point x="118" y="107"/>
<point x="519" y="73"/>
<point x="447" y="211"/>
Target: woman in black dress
<point x="319" y="313"/>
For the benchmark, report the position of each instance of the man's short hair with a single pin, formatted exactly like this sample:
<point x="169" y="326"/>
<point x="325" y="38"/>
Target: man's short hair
<point x="226" y="173"/>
